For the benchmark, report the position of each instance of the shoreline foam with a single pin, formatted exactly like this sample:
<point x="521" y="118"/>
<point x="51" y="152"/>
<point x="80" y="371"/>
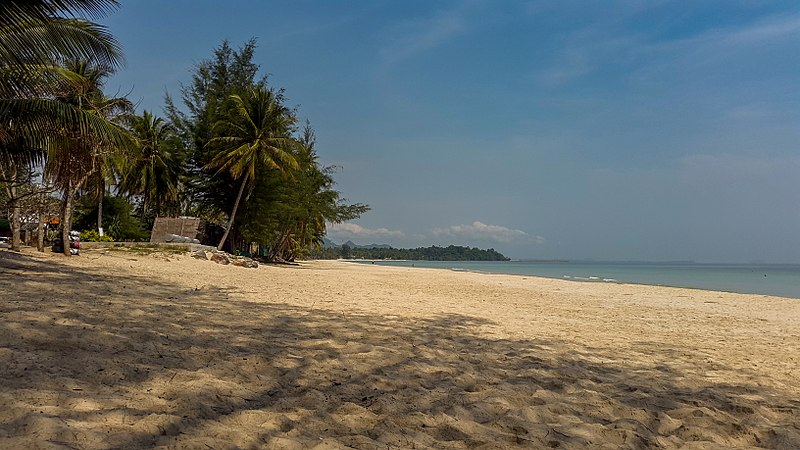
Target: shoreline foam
<point x="773" y="291"/>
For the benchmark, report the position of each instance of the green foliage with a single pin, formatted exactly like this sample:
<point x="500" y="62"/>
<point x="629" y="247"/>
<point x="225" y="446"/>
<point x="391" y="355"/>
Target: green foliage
<point x="155" y="170"/>
<point x="254" y="134"/>
<point x="206" y="101"/>
<point x="433" y="253"/>
<point x="234" y="143"/>
<point x="117" y="216"/>
<point x="94" y="236"/>
<point x="36" y="38"/>
<point x="248" y="161"/>
<point x="289" y="214"/>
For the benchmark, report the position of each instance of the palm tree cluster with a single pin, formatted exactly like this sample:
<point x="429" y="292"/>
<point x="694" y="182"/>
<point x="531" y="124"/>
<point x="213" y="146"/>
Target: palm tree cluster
<point x="233" y="153"/>
<point x="52" y="111"/>
<point x="245" y="149"/>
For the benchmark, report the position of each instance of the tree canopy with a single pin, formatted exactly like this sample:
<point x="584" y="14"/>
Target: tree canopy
<point x="230" y="150"/>
<point x="250" y="168"/>
<point x="433" y="253"/>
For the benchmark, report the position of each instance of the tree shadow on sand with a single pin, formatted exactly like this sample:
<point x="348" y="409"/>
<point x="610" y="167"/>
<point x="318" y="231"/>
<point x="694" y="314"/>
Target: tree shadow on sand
<point x="90" y="360"/>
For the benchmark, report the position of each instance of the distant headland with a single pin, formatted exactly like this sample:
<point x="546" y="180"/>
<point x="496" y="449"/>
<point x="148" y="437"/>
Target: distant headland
<point x="350" y="250"/>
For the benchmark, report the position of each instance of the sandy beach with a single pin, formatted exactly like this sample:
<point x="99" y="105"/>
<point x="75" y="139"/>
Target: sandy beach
<point x="115" y="349"/>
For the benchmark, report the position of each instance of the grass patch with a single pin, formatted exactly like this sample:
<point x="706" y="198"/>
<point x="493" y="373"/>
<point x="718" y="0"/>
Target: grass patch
<point x="149" y="249"/>
<point x="145" y="249"/>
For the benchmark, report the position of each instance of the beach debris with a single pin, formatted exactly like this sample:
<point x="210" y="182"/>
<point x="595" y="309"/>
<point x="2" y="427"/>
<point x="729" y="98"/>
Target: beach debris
<point x="200" y="254"/>
<point x="175" y="238"/>
<point x="243" y="261"/>
<point x="226" y="258"/>
<point x="220" y="258"/>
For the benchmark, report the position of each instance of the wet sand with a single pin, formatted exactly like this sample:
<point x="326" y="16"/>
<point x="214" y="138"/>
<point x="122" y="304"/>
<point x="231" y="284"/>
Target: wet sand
<point x="122" y="350"/>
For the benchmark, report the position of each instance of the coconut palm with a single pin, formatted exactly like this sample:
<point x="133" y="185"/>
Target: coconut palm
<point x="290" y="216"/>
<point x="255" y="134"/>
<point x="76" y="154"/>
<point x="111" y="160"/>
<point x="35" y="32"/>
<point x="35" y="39"/>
<point x="36" y="36"/>
<point x="154" y="171"/>
<point x="19" y="9"/>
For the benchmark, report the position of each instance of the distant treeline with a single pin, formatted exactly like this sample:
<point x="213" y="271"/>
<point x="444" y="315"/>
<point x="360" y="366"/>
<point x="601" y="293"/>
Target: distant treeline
<point x="433" y="253"/>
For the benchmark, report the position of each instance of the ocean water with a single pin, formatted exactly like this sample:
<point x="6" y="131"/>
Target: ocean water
<point x="782" y="280"/>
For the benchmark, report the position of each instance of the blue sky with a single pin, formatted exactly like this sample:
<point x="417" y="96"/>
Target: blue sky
<point x="608" y="130"/>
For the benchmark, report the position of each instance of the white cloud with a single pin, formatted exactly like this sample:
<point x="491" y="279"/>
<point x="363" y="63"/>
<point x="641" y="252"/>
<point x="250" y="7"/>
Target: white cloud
<point x="607" y="44"/>
<point x="480" y="230"/>
<point x="721" y="45"/>
<point x="574" y="65"/>
<point x="421" y="35"/>
<point x="352" y="230"/>
<point x="778" y="27"/>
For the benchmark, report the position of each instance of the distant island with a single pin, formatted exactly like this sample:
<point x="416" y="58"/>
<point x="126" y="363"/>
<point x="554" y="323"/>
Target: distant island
<point x="348" y="250"/>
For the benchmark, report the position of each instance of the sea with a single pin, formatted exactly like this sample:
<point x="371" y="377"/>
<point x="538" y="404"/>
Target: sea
<point x="781" y="280"/>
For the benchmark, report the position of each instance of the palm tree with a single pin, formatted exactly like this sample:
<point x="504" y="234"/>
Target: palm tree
<point x="77" y="154"/>
<point x="35" y="39"/>
<point x="255" y="134"/>
<point x="34" y="32"/>
<point x="36" y="36"/>
<point x="87" y="94"/>
<point x="154" y="172"/>
<point x="111" y="162"/>
<point x="300" y="207"/>
<point x="43" y="8"/>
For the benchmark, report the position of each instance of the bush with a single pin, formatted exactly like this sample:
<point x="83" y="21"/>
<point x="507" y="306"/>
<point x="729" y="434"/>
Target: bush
<point x="94" y="236"/>
<point x="118" y="218"/>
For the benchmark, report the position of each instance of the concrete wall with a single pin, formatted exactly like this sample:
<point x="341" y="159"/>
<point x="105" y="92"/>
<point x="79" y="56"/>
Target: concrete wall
<point x="181" y="226"/>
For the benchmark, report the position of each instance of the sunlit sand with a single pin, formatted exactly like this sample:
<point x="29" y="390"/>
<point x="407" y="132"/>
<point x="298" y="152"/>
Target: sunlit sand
<point x="120" y="350"/>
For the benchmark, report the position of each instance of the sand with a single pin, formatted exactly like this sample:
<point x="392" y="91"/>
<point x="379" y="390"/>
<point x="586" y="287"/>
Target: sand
<point x="121" y="350"/>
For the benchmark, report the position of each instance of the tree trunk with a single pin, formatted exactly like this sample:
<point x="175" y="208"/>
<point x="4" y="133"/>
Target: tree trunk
<point x="66" y="217"/>
<point x="276" y="252"/>
<point x="100" y="195"/>
<point x="13" y="204"/>
<point x="233" y="214"/>
<point x="145" y="207"/>
<point x="302" y="242"/>
<point x="145" y="196"/>
<point x="40" y="233"/>
<point x="15" y="223"/>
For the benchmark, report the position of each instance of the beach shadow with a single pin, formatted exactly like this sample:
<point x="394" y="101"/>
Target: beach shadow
<point x="90" y="360"/>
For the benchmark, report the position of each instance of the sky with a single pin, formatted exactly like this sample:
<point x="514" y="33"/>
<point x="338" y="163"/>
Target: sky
<point x="603" y="130"/>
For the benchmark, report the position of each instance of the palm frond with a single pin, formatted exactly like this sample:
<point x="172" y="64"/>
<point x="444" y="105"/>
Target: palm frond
<point x="16" y="10"/>
<point x="36" y="117"/>
<point x="36" y="41"/>
<point x="36" y="80"/>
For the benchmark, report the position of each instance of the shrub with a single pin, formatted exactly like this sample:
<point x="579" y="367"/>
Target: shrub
<point x="94" y="236"/>
<point x="118" y="218"/>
